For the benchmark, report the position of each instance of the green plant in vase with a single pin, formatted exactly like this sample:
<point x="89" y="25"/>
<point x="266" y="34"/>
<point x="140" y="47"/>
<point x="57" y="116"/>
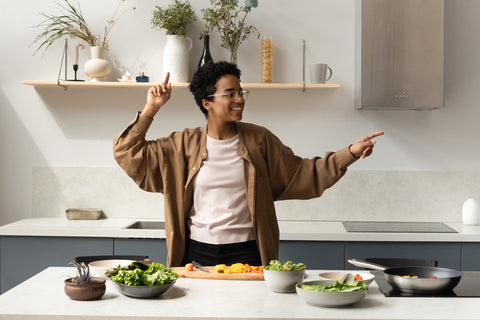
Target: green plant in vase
<point x="228" y="18"/>
<point x="174" y="19"/>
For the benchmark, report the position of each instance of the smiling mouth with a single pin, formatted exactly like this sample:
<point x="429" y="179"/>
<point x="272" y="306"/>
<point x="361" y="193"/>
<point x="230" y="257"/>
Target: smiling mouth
<point x="237" y="108"/>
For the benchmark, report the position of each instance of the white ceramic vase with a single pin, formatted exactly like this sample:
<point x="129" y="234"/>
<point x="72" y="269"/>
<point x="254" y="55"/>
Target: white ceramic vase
<point x="175" y="57"/>
<point x="97" y="67"/>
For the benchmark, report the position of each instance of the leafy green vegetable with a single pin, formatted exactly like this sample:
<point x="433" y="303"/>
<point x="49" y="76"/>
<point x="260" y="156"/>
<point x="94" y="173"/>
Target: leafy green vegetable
<point x="336" y="287"/>
<point x="139" y="274"/>
<point x="276" y="265"/>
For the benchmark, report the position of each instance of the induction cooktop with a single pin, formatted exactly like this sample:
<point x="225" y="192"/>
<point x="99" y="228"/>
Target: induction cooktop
<point x="401" y="227"/>
<point x="469" y="286"/>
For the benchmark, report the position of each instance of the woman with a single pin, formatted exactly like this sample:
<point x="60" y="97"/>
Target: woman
<point x="220" y="181"/>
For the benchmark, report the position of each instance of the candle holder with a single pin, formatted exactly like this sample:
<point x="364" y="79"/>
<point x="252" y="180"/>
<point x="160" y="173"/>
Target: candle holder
<point x="64" y="66"/>
<point x="75" y="69"/>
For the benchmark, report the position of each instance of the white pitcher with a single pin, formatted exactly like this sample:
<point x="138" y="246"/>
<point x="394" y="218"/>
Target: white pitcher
<point x="175" y="57"/>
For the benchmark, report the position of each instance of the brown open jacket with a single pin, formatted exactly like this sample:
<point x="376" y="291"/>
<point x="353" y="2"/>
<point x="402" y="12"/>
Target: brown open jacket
<point x="272" y="172"/>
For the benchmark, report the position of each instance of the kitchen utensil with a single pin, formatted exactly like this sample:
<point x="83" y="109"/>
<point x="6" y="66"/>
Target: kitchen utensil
<point x="367" y="278"/>
<point x="199" y="266"/>
<point x="283" y="281"/>
<point x="328" y="299"/>
<point x="445" y="279"/>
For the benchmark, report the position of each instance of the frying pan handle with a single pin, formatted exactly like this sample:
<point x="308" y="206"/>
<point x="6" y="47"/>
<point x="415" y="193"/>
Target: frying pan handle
<point x="366" y="264"/>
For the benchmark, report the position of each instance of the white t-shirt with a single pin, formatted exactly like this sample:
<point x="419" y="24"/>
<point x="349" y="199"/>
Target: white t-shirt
<point x="220" y="214"/>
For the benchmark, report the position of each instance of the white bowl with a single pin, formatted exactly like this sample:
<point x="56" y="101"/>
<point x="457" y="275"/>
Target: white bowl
<point x="283" y="281"/>
<point x="367" y="277"/>
<point x="328" y="299"/>
<point x="99" y="267"/>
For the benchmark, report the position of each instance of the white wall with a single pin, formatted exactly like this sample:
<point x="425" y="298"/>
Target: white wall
<point x="74" y="128"/>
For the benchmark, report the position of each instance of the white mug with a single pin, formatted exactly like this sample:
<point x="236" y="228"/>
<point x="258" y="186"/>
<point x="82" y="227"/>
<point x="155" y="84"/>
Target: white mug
<point x="318" y="73"/>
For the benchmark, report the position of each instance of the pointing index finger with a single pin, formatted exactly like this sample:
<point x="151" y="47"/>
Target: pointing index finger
<point x="375" y="134"/>
<point x="167" y="78"/>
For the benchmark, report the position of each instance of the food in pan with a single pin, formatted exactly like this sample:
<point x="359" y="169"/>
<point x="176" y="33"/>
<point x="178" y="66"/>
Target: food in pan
<point x="415" y="277"/>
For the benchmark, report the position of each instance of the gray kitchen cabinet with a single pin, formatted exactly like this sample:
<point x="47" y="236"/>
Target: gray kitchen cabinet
<point x="448" y="254"/>
<point x="471" y="256"/>
<point x="155" y="249"/>
<point x="1" y="265"/>
<point x="402" y="54"/>
<point x="326" y="255"/>
<point x="22" y="257"/>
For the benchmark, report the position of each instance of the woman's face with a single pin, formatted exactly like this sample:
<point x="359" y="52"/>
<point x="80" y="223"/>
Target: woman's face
<point x="224" y="108"/>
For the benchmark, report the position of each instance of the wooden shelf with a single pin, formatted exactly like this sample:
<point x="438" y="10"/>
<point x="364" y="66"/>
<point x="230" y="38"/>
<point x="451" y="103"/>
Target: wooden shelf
<point x="88" y="84"/>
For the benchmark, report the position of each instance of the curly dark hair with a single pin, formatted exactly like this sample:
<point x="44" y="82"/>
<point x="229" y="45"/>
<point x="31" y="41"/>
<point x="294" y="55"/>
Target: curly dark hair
<point x="205" y="79"/>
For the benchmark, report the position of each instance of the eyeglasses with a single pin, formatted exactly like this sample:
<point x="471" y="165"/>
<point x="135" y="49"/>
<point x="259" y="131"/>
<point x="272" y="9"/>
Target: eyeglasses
<point x="232" y="94"/>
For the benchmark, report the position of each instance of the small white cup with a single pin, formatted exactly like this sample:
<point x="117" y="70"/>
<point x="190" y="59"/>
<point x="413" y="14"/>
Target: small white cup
<point x="318" y="73"/>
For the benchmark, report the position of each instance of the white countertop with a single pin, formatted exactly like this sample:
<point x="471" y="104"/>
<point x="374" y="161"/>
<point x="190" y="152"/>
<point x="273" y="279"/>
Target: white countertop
<point x="289" y="230"/>
<point x="42" y="297"/>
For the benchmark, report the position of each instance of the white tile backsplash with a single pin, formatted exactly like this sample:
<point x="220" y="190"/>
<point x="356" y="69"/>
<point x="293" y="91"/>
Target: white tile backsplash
<point x="360" y="195"/>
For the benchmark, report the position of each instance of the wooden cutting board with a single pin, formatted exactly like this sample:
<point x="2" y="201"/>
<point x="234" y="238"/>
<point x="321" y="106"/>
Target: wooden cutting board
<point x="197" y="274"/>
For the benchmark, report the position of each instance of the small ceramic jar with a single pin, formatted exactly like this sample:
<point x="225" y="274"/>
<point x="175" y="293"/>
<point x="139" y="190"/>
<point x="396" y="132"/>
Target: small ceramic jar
<point x="470" y="212"/>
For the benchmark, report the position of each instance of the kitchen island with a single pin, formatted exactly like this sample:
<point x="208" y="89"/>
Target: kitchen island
<point x="42" y="297"/>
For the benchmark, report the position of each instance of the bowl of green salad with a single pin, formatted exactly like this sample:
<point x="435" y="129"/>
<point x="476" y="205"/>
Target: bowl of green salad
<point x="331" y="293"/>
<point x="140" y="280"/>
<point x="283" y="276"/>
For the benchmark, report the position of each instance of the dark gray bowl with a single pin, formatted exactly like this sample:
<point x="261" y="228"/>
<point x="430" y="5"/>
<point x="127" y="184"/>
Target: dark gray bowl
<point x="142" y="292"/>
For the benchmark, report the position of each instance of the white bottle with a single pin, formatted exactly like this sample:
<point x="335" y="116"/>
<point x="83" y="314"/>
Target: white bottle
<point x="470" y="212"/>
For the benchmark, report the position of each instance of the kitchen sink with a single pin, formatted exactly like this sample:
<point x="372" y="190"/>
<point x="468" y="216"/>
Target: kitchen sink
<point x="147" y="225"/>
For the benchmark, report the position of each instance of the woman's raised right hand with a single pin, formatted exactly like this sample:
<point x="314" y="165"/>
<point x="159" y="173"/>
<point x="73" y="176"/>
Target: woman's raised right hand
<point x="157" y="96"/>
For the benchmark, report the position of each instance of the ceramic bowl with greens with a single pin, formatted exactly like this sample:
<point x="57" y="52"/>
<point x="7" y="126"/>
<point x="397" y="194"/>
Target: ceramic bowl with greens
<point x="331" y="293"/>
<point x="283" y="276"/>
<point x="139" y="280"/>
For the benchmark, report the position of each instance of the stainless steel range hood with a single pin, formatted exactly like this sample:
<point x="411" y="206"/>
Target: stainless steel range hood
<point x="400" y="54"/>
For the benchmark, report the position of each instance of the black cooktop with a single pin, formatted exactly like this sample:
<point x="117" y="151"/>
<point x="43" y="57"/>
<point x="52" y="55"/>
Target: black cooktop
<point x="469" y="286"/>
<point x="393" y="226"/>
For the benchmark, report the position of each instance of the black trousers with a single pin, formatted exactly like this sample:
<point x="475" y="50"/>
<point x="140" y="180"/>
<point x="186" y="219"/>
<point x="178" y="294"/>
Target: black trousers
<point x="213" y="254"/>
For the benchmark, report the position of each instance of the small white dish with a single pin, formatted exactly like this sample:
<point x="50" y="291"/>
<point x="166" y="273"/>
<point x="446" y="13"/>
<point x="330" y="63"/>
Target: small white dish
<point x="367" y="277"/>
<point x="99" y="267"/>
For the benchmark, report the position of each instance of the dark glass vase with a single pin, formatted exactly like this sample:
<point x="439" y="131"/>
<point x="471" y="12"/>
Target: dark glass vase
<point x="206" y="56"/>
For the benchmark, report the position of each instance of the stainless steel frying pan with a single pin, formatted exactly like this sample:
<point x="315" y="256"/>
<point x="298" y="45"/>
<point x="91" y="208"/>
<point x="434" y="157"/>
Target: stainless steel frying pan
<point x="420" y="280"/>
